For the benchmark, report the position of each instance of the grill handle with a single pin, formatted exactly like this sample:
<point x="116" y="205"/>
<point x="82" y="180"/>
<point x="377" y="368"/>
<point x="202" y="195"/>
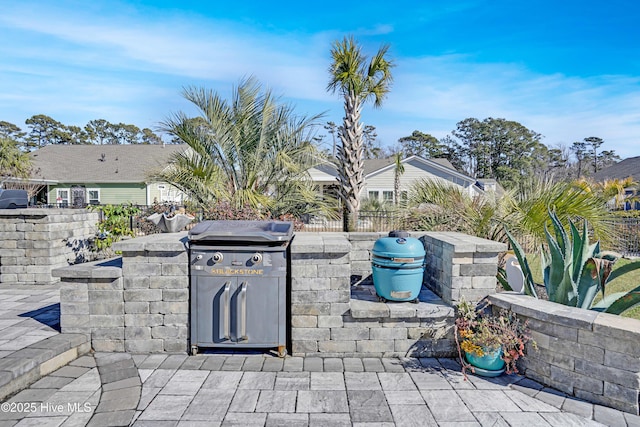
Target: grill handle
<point x="225" y="314"/>
<point x="243" y="312"/>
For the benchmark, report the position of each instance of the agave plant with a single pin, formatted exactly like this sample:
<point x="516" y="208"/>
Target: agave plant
<point x="575" y="271"/>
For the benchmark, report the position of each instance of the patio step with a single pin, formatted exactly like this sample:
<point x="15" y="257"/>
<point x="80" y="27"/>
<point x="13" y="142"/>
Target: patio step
<point x="20" y="369"/>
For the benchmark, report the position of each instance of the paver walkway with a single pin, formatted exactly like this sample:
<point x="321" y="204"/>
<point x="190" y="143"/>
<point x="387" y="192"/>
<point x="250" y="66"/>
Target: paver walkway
<point x="111" y="389"/>
<point x="28" y="314"/>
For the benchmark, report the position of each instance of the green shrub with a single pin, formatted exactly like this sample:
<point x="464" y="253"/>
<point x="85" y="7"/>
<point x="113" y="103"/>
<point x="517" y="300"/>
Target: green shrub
<point x="114" y="225"/>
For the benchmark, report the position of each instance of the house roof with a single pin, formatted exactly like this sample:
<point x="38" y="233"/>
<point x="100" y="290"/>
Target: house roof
<point x="626" y="168"/>
<point x="375" y="165"/>
<point x="100" y="163"/>
<point x="379" y="165"/>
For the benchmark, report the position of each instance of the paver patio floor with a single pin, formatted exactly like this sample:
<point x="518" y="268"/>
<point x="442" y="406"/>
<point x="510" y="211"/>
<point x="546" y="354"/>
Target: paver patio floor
<point x="109" y="389"/>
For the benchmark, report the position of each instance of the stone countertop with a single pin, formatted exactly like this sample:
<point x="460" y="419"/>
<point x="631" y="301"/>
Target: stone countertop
<point x="104" y="269"/>
<point x="305" y="242"/>
<point x="162" y="242"/>
<point x="365" y="305"/>
<point x="464" y="243"/>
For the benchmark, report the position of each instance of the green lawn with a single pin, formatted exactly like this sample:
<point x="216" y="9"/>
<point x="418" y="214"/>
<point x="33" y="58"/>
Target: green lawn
<point x="623" y="283"/>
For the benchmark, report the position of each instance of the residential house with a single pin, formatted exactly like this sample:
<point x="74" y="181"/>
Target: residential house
<point x="622" y="170"/>
<point x="379" y="175"/>
<point x="76" y="175"/>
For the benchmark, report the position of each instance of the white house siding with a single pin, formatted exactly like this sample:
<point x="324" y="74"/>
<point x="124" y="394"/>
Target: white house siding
<point x="322" y="179"/>
<point x="413" y="172"/>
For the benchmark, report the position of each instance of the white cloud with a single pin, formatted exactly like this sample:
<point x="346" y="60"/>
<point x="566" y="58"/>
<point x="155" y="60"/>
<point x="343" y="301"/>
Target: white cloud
<point x="82" y="65"/>
<point x="562" y="108"/>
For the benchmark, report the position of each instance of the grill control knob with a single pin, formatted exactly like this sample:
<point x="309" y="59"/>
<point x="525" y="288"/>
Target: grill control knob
<point x="217" y="257"/>
<point x="199" y="257"/>
<point x="256" y="258"/>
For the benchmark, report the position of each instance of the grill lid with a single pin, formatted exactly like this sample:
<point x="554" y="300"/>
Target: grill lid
<point x="398" y="249"/>
<point x="242" y="231"/>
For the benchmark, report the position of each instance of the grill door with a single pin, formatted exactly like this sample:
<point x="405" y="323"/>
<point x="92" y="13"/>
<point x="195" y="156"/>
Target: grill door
<point x="256" y="315"/>
<point x="237" y="310"/>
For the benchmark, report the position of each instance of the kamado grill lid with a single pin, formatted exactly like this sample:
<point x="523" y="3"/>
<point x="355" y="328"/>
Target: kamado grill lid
<point x="399" y="247"/>
<point x="242" y="231"/>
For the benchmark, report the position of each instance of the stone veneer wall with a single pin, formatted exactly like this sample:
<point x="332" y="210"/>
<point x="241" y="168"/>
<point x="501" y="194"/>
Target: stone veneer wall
<point x="140" y="303"/>
<point x="328" y="319"/>
<point x="34" y="241"/>
<point x="591" y="355"/>
<point x="459" y="265"/>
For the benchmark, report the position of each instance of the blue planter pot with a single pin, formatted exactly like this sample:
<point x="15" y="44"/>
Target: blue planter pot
<point x="491" y="360"/>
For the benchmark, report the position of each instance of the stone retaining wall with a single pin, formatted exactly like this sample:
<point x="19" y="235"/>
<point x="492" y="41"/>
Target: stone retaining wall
<point x="591" y="355"/>
<point x="34" y="241"/>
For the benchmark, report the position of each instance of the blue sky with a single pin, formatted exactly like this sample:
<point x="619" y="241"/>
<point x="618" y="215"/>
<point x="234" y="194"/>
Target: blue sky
<point x="567" y="70"/>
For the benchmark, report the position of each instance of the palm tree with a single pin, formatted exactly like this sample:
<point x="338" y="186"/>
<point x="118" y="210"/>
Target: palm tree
<point x="397" y="173"/>
<point x="529" y="210"/>
<point x="445" y="206"/>
<point x="357" y="81"/>
<point x="250" y="152"/>
<point x="440" y="205"/>
<point x="615" y="189"/>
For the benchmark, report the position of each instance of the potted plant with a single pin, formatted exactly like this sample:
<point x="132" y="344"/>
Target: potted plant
<point x="489" y="344"/>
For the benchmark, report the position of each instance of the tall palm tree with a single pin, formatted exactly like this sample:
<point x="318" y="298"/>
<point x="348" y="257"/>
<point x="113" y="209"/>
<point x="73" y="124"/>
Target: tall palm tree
<point x="249" y="151"/>
<point x="397" y="173"/>
<point x="358" y="81"/>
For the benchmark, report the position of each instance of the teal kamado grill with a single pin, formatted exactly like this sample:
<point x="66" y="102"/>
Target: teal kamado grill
<point x="398" y="267"/>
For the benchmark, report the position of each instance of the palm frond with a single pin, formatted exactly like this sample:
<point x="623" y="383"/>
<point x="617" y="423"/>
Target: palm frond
<point x="250" y="150"/>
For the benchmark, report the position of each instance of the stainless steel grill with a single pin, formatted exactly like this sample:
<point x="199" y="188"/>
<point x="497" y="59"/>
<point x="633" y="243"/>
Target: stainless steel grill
<point x="238" y="284"/>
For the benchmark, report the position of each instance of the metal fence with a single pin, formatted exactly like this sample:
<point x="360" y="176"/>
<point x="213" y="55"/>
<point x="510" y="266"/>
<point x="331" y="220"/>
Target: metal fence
<point x="626" y="231"/>
<point x="367" y="221"/>
<point x="626" y="236"/>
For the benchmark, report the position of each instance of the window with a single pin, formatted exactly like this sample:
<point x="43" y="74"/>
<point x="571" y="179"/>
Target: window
<point x="387" y="196"/>
<point x="404" y="198"/>
<point x="93" y="197"/>
<point x="374" y="195"/>
<point x="62" y="197"/>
